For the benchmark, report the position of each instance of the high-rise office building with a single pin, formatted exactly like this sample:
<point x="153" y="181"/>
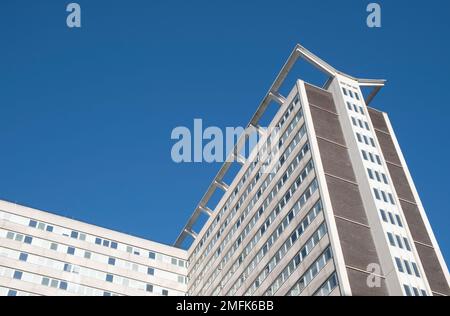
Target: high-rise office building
<point x="324" y="206"/>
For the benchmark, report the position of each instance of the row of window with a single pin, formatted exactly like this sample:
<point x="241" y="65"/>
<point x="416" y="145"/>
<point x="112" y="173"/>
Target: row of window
<point x="393" y="219"/>
<point x="12" y="292"/>
<point x="94" y="256"/>
<point x="246" y="175"/>
<point x="398" y="241"/>
<point x="350" y="93"/>
<point x="379" y="176"/>
<point x="88" y="238"/>
<point x="365" y="140"/>
<point x="328" y="287"/>
<point x="311" y="273"/>
<point x="407" y="267"/>
<point x="250" y="205"/>
<point x="385" y="196"/>
<point x="360" y="123"/>
<point x="277" y="209"/>
<point x="374" y="158"/>
<point x="297" y="260"/>
<point x="413" y="291"/>
<point x="353" y="107"/>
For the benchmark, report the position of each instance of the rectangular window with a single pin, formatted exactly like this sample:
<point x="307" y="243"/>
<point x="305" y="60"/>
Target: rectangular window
<point x="358" y="136"/>
<point x="150" y="271"/>
<point x="165" y="292"/>
<point x="416" y="291"/>
<point x="391" y="198"/>
<point x="378" y="159"/>
<point x="423" y="293"/>
<point x="391" y="218"/>
<point x="10" y="235"/>
<point x="361" y="110"/>
<point x="351" y="93"/>
<point x="408" y="269"/>
<point x="377" y="176"/>
<point x="360" y="124"/>
<point x="82" y="237"/>
<point x="45" y="281"/>
<point x="377" y="194"/>
<point x="357" y="95"/>
<point x="384" y="196"/>
<point x="98" y="241"/>
<point x="113" y="245"/>
<point x="106" y="294"/>
<point x="399" y="264"/>
<point x="74" y="234"/>
<point x="383" y="215"/>
<point x="364" y="154"/>
<point x="353" y="121"/>
<point x="407" y="290"/>
<point x="111" y="261"/>
<point x="174" y="261"/>
<point x="349" y="106"/>
<point x="416" y="269"/>
<point x="372" y="142"/>
<point x="371" y="157"/>
<point x="366" y="140"/>
<point x="32" y="223"/>
<point x="405" y="241"/>
<point x="87" y="255"/>
<point x="149" y="288"/>
<point x="369" y="171"/>
<point x="345" y="91"/>
<point x="17" y="275"/>
<point x="71" y="250"/>
<point x="23" y="256"/>
<point x="399" y="241"/>
<point x="63" y="285"/>
<point x="391" y="239"/>
<point x="49" y="228"/>
<point x="54" y="283"/>
<point x="106" y="243"/>
<point x="109" y="278"/>
<point x="367" y="126"/>
<point x="399" y="222"/>
<point x="152" y="255"/>
<point x="385" y="180"/>
<point x="28" y="240"/>
<point x="12" y="293"/>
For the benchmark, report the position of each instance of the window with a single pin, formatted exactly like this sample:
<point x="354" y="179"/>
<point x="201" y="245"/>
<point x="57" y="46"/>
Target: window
<point x="351" y="93"/>
<point x="98" y="241"/>
<point x="71" y="250"/>
<point x="49" y="228"/>
<point x="63" y="285"/>
<point x="391" y="239"/>
<point x="74" y="234"/>
<point x="377" y="175"/>
<point x="345" y="91"/>
<point x="361" y="110"/>
<point x="32" y="223"/>
<point x="372" y="142"/>
<point x="165" y="292"/>
<point x="416" y="291"/>
<point x="353" y="121"/>
<point x="82" y="236"/>
<point x="106" y="294"/>
<point x="384" y="196"/>
<point x="370" y="173"/>
<point x="416" y="269"/>
<point x="405" y="241"/>
<point x="366" y="140"/>
<point x="12" y="293"/>
<point x="150" y="271"/>
<point x="391" y="198"/>
<point x="106" y="243"/>
<point x="355" y="108"/>
<point x="113" y="245"/>
<point x="349" y="106"/>
<point x="383" y="215"/>
<point x="87" y="255"/>
<point x="360" y="124"/>
<point x="391" y="218"/>
<point x="174" y="261"/>
<point x="399" y="241"/>
<point x="377" y="194"/>
<point x="367" y="126"/>
<point x="423" y="292"/>
<point x="17" y="275"/>
<point x="371" y="157"/>
<point x="181" y="263"/>
<point x="109" y="278"/>
<point x="54" y="283"/>
<point x="23" y="256"/>
<point x="111" y="261"/>
<point x="67" y="267"/>
<point x="45" y="281"/>
<point x="385" y="180"/>
<point x="399" y="222"/>
<point x="180" y="279"/>
<point x="407" y="290"/>
<point x="359" y="137"/>
<point x="399" y="264"/>
<point x="152" y="255"/>
<point x="364" y="154"/>
<point x="408" y="269"/>
<point x="28" y="239"/>
<point x="378" y="159"/>
<point x="129" y="249"/>
<point x="357" y="95"/>
<point x="10" y="235"/>
<point x="149" y="288"/>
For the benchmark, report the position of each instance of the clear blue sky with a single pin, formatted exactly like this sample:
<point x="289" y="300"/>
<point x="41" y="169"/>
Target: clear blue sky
<point x="86" y="115"/>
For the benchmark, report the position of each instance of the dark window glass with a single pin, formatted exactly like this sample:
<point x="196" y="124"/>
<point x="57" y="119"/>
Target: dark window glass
<point x="111" y="261"/>
<point x="113" y="245"/>
<point x="28" y="239"/>
<point x="12" y="293"/>
<point x="98" y="241"/>
<point x="17" y="275"/>
<point x="71" y="250"/>
<point x="49" y="228"/>
<point x="63" y="285"/>
<point x="151" y="271"/>
<point x="109" y="278"/>
<point x="32" y="223"/>
<point x="23" y="257"/>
